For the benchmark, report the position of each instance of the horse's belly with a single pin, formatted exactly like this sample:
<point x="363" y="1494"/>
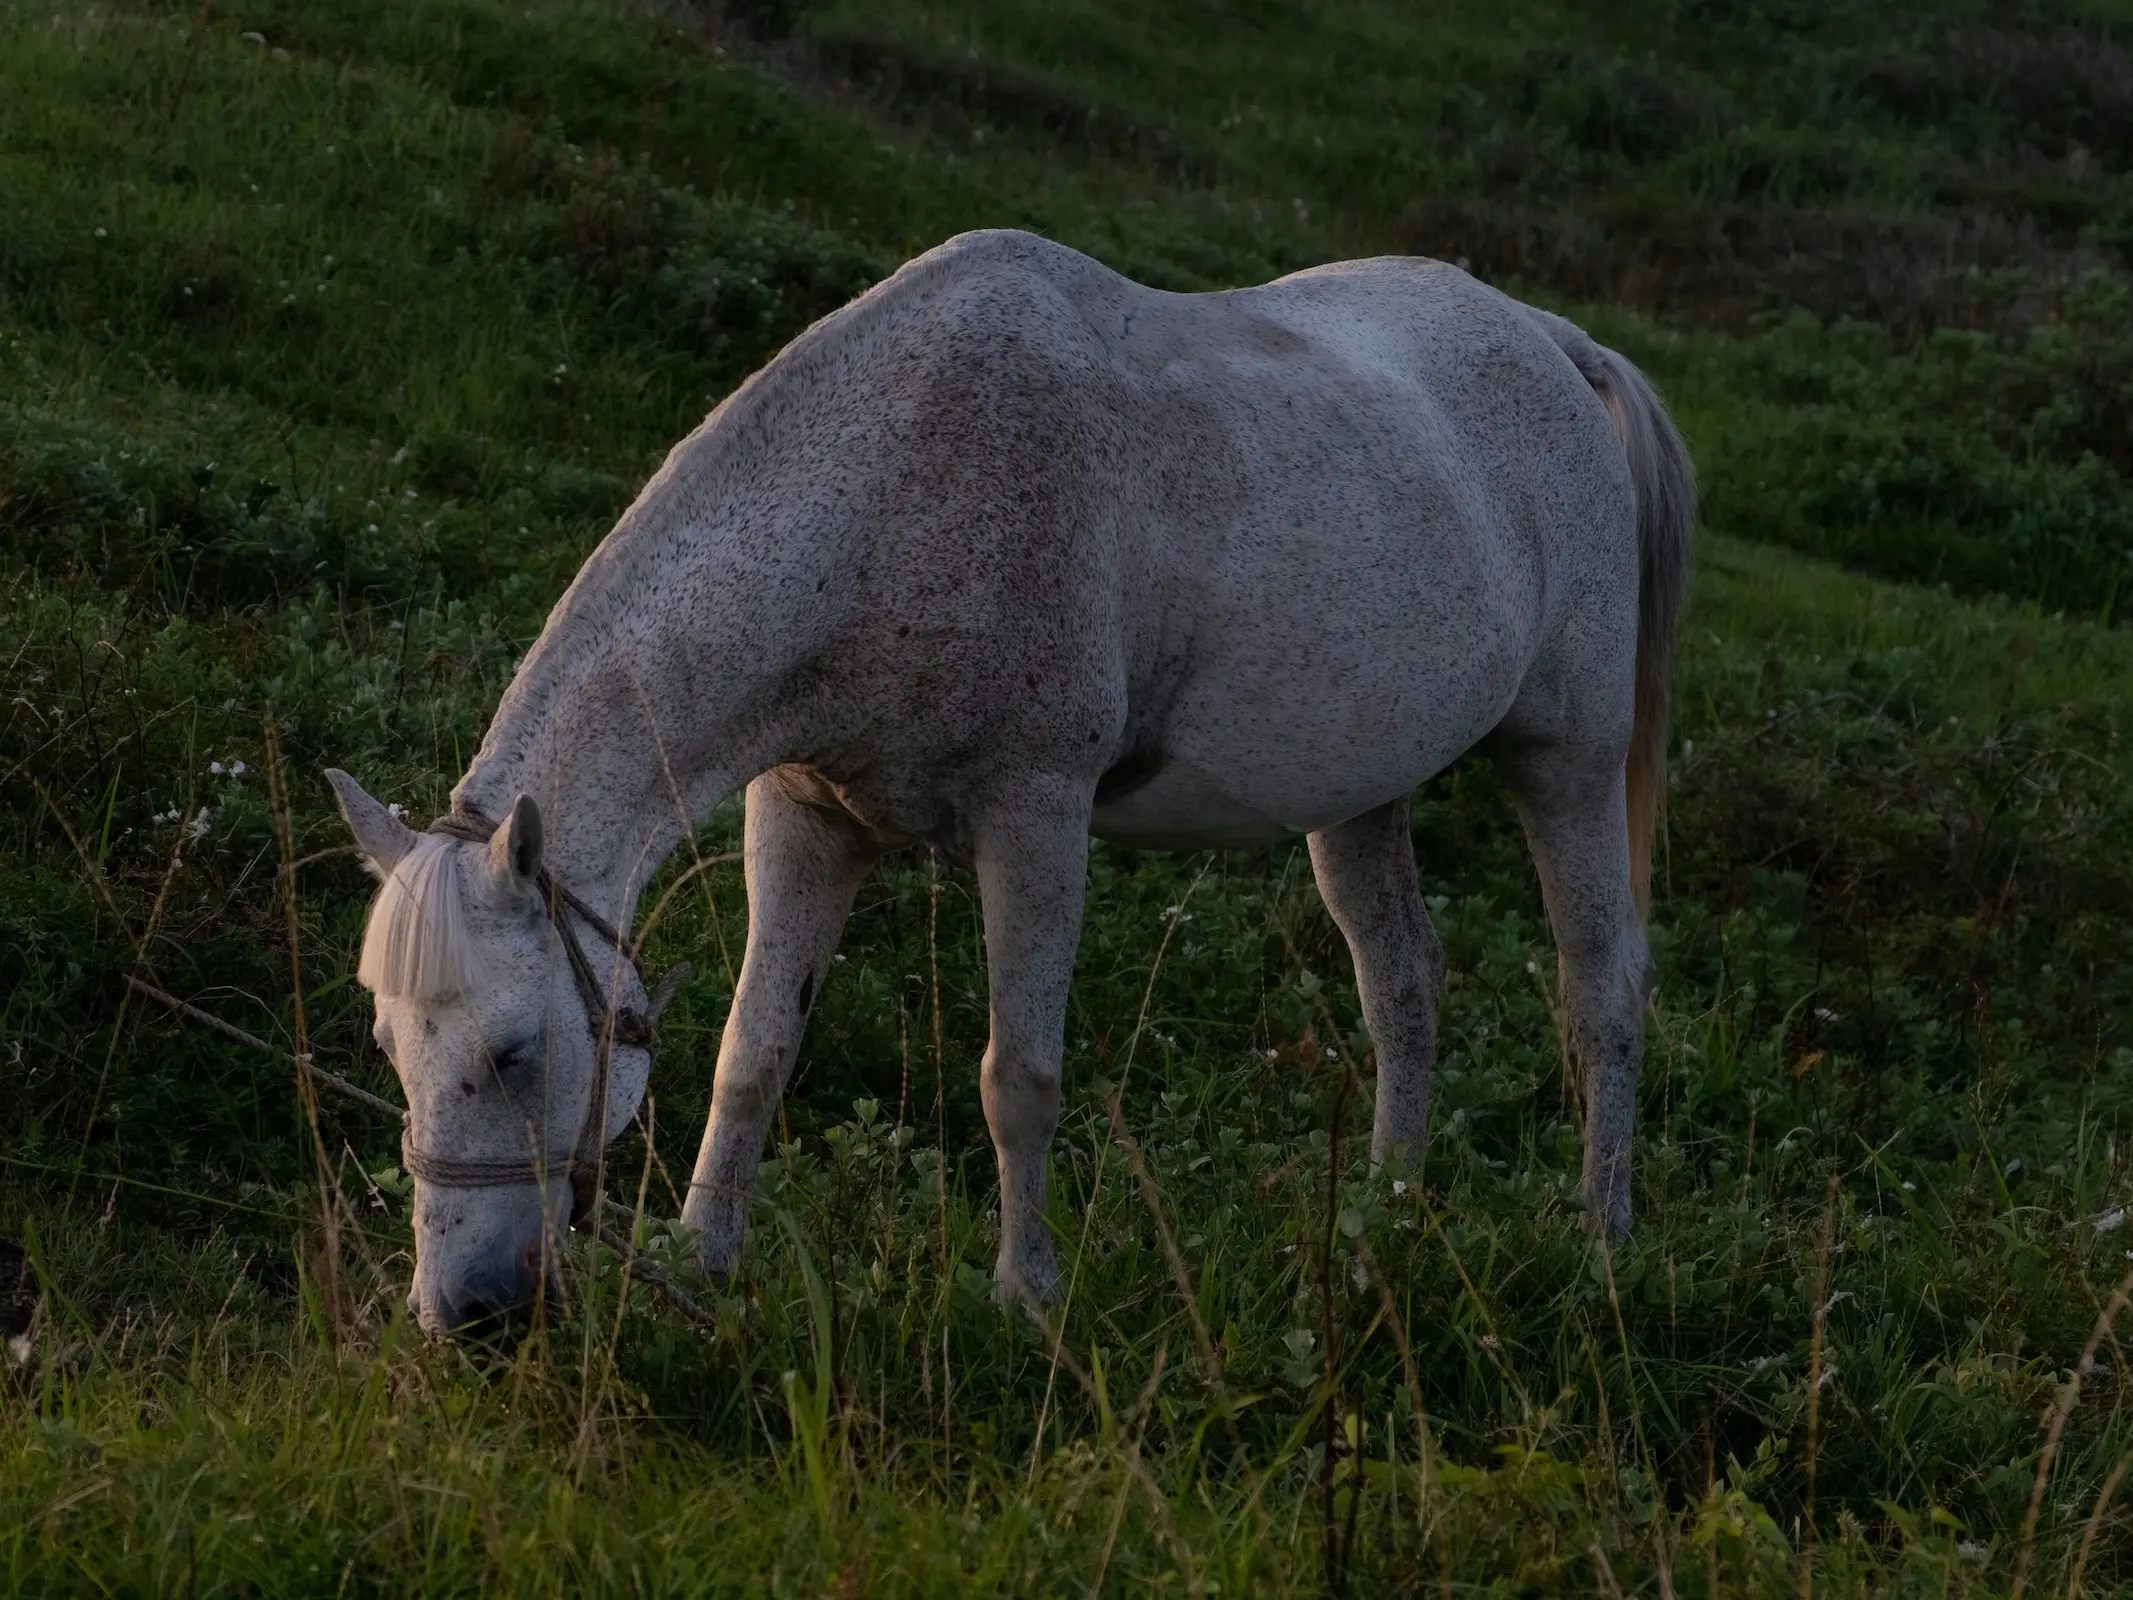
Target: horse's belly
<point x="1331" y="658"/>
<point x="1251" y="780"/>
<point x="1182" y="809"/>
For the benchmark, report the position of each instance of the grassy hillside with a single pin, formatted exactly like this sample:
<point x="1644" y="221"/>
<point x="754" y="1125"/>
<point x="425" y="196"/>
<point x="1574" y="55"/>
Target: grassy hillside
<point x="333" y="334"/>
<point x="1920" y="212"/>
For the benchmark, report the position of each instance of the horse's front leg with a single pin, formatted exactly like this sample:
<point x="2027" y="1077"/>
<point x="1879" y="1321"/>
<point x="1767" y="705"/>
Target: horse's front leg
<point x="1032" y="859"/>
<point x="803" y="866"/>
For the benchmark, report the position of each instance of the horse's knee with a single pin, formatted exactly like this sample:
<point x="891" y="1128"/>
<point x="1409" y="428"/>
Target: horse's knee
<point x="1021" y="1091"/>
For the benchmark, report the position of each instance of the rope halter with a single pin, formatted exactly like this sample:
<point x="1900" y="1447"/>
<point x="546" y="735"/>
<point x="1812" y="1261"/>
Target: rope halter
<point x="610" y="1025"/>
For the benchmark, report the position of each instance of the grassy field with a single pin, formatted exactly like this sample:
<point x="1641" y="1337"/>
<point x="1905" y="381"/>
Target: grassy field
<point x="332" y="335"/>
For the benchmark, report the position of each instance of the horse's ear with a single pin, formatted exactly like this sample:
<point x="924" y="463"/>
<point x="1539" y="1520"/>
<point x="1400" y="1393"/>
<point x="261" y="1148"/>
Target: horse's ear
<point x="382" y="837"/>
<point x="515" y="847"/>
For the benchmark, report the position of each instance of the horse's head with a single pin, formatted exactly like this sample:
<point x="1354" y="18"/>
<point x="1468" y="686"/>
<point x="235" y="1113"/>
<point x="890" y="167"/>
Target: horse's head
<point x="494" y="1034"/>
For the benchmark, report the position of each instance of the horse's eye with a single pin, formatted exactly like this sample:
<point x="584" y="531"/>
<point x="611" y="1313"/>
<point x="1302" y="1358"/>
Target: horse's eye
<point x="518" y="1053"/>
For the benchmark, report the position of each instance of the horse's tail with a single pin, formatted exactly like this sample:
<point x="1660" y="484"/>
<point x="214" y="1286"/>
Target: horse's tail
<point x="1665" y="482"/>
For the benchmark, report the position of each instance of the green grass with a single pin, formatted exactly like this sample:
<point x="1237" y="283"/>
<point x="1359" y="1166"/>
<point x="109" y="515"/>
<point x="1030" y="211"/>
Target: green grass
<point x="323" y="359"/>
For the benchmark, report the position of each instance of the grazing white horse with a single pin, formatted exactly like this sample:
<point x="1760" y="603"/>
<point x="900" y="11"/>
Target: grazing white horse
<point x="1009" y="551"/>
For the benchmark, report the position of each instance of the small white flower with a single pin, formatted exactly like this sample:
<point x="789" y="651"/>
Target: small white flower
<point x="1909" y="1187"/>
<point x="197" y="828"/>
<point x="2110" y="1220"/>
<point x="1824" y="1014"/>
<point x="1533" y="966"/>
<point x="397" y="809"/>
<point x="1971" y="1550"/>
<point x="101" y="234"/>
<point x="236" y="769"/>
<point x="1399" y="1186"/>
<point x="215" y="767"/>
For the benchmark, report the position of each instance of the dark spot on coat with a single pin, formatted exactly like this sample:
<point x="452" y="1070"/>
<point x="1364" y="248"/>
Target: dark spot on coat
<point x="466" y="1087"/>
<point x="807" y="993"/>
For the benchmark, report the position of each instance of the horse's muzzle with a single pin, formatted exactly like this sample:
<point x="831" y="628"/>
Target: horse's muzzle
<point x="493" y="1306"/>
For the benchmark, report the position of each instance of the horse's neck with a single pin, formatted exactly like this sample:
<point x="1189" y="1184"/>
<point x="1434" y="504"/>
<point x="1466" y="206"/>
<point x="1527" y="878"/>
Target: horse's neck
<point x="620" y="758"/>
<point x="625" y="721"/>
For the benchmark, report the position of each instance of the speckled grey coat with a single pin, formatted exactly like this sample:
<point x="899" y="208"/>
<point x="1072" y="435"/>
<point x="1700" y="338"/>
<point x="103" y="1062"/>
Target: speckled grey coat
<point x="1012" y="550"/>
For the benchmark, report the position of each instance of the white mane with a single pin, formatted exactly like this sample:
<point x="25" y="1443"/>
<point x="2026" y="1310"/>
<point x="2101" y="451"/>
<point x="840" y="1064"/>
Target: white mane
<point x="416" y="945"/>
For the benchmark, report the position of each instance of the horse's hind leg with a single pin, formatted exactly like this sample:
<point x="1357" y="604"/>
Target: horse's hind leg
<point x="1366" y="875"/>
<point x="1571" y="799"/>
<point x="803" y="866"/>
<point x="1032" y="860"/>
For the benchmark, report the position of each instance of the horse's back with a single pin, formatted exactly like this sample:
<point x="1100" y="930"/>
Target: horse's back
<point x="1264" y="557"/>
